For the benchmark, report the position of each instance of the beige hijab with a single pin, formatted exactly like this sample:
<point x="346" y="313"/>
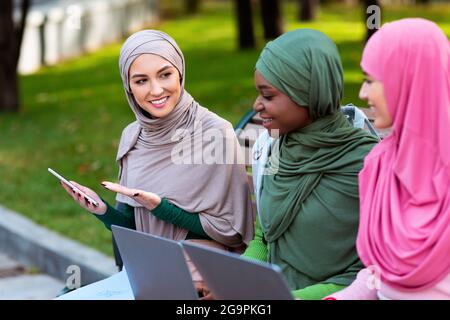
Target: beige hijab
<point x="218" y="192"/>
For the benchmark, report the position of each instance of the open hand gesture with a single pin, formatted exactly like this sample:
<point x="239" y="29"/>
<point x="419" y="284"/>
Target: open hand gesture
<point x="149" y="200"/>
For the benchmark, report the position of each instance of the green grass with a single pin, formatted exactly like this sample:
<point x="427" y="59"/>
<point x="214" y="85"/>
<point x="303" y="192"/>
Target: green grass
<point x="72" y="115"/>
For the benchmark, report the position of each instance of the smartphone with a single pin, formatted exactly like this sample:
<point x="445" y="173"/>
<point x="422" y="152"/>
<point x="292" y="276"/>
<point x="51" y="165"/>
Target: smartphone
<point x="64" y="180"/>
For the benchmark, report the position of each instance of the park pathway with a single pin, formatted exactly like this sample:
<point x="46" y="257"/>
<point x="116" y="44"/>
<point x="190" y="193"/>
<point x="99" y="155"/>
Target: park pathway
<point x="19" y="282"/>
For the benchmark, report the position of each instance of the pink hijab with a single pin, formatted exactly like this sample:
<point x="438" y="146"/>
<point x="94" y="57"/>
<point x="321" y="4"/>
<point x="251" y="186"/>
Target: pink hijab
<point x="405" y="183"/>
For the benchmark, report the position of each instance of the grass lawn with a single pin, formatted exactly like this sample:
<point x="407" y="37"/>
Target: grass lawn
<point x="73" y="114"/>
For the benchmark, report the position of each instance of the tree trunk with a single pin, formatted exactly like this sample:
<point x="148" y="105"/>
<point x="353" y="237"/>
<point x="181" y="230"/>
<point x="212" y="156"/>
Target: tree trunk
<point x="9" y="100"/>
<point x="244" y="16"/>
<point x="10" y="40"/>
<point x="307" y="10"/>
<point x="271" y="17"/>
<point x="369" y="16"/>
<point x="192" y="6"/>
<point x="423" y="1"/>
<point x="9" y="95"/>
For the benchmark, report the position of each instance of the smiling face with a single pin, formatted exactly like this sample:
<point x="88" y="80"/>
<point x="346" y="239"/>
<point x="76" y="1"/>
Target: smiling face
<point x="155" y="84"/>
<point x="372" y="92"/>
<point x="278" y="111"/>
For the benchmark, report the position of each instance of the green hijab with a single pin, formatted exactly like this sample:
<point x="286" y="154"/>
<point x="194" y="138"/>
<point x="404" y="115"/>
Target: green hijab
<point x="309" y="210"/>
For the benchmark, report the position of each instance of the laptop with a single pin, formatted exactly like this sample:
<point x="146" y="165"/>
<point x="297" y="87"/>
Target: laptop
<point x="156" y="267"/>
<point x="231" y="277"/>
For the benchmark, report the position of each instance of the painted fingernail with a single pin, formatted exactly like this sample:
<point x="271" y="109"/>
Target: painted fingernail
<point x="136" y="194"/>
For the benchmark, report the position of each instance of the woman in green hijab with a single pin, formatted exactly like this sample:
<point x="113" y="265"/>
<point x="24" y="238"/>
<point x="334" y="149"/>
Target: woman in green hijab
<point x="306" y="166"/>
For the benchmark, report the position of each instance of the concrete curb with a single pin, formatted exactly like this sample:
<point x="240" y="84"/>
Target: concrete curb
<point x="32" y="244"/>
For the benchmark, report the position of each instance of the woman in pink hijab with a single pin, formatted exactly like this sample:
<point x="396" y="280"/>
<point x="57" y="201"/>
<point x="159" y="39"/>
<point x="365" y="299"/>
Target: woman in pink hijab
<point x="404" y="231"/>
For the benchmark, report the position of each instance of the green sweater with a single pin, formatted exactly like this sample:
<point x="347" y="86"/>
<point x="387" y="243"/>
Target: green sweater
<point x="257" y="250"/>
<point x="123" y="215"/>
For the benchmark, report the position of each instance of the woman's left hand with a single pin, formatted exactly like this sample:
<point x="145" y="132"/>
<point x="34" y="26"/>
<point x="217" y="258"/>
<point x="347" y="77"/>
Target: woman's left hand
<point x="149" y="200"/>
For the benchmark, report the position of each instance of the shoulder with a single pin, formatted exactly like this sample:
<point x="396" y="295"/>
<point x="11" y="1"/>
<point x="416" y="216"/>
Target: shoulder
<point x="264" y="138"/>
<point x="262" y="143"/>
<point x="132" y="127"/>
<point x="261" y="149"/>
<point x="214" y="121"/>
<point x="128" y="138"/>
<point x="129" y="132"/>
<point x="381" y="148"/>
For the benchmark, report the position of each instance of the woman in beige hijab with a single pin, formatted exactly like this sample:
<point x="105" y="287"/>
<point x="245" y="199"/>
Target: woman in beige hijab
<point x="170" y="183"/>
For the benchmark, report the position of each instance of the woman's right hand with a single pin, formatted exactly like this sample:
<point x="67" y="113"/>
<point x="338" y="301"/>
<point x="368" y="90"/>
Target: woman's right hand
<point x="82" y="201"/>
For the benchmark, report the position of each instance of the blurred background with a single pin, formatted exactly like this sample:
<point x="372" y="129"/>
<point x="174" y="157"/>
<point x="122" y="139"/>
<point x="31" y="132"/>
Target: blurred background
<point x="62" y="103"/>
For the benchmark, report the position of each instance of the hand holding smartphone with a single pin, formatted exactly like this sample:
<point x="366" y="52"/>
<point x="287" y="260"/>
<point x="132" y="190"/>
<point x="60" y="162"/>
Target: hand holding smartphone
<point x="67" y="182"/>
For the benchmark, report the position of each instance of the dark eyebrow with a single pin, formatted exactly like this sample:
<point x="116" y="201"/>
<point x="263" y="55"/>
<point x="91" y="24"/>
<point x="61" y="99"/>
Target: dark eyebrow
<point x="263" y="87"/>
<point x="164" y="68"/>
<point x="139" y="75"/>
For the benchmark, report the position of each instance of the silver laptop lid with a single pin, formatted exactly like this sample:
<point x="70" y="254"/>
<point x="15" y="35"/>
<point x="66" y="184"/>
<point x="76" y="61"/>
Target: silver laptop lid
<point x="156" y="266"/>
<point x="230" y="277"/>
